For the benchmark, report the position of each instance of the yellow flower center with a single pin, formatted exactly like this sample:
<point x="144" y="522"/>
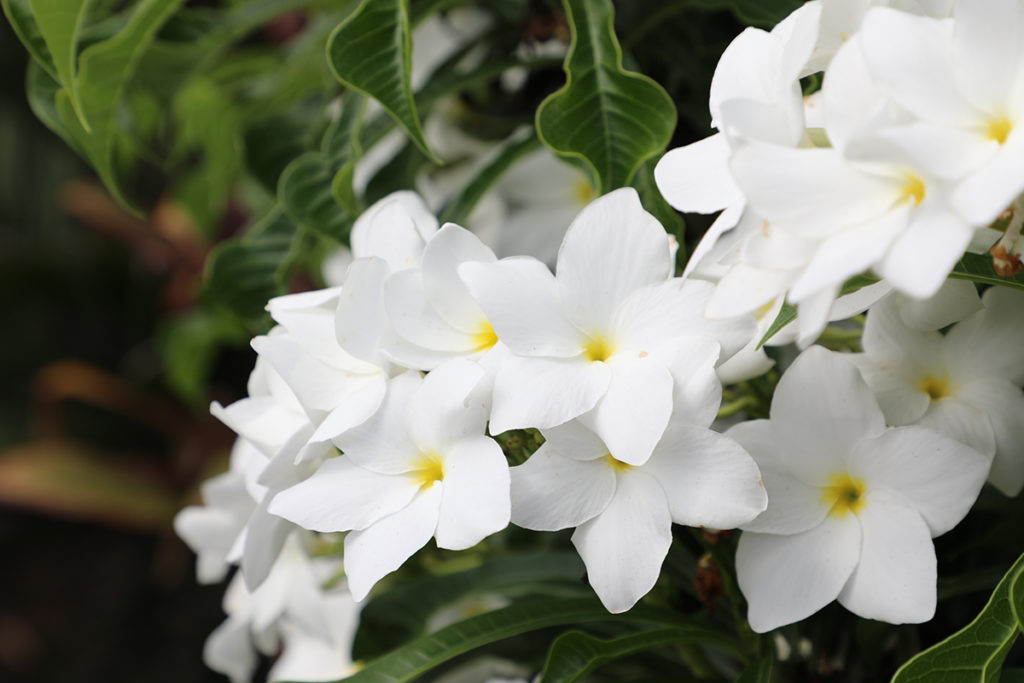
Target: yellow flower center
<point x="617" y="465"/>
<point x="935" y="387"/>
<point x="583" y="192"/>
<point x="598" y="348"/>
<point x="484" y="337"/>
<point x="428" y="469"/>
<point x="843" y="494"/>
<point x="913" y="189"/>
<point x="998" y="128"/>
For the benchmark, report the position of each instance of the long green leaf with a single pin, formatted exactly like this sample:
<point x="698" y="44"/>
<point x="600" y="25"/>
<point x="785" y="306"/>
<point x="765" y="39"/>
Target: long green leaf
<point x="371" y="52"/>
<point x="974" y="654"/>
<point x="19" y="14"/>
<point x="103" y="71"/>
<point x="423" y="654"/>
<point x="60" y="22"/>
<point x="575" y="654"/>
<point x="606" y="118"/>
<point x="978" y="268"/>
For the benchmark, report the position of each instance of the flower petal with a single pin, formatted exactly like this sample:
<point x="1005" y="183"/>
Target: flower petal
<point x="624" y="546"/>
<point x="416" y="320"/>
<point x="788" y="578"/>
<point x="551" y="491"/>
<point x="1003" y="404"/>
<point x="696" y="177"/>
<point x="383" y="443"/>
<point x="444" y="409"/>
<point x="545" y="392"/>
<point x="476" y="499"/>
<point x="375" y="552"/>
<point x="989" y="342"/>
<point x="447" y="293"/>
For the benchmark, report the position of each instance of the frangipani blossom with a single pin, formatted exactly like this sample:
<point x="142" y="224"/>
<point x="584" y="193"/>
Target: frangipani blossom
<point x="852" y="504"/>
<point x="420" y="468"/>
<point x="605" y="339"/>
<point x="623" y="514"/>
<point x="965" y="384"/>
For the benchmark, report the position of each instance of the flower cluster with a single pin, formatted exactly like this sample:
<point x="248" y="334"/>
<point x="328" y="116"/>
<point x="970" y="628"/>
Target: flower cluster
<point x="909" y="150"/>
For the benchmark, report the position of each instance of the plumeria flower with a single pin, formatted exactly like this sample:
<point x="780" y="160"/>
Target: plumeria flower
<point x="432" y="312"/>
<point x="965" y="384"/>
<point x="605" y="339"/>
<point x="420" y="468"/>
<point x="852" y="505"/>
<point x="623" y="513"/>
<point x="290" y="612"/>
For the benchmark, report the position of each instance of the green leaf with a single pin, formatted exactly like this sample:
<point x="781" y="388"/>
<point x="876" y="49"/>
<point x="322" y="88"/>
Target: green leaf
<point x="60" y="22"/>
<point x="189" y="347"/>
<point x="978" y="268"/>
<point x="103" y="70"/>
<point x="19" y="14"/>
<point x="423" y="654"/>
<point x="759" y="671"/>
<point x="975" y="653"/>
<point x="462" y="205"/>
<point x="371" y="52"/>
<point x="787" y="313"/>
<point x="606" y="118"/>
<point x="244" y="273"/>
<point x="765" y="13"/>
<point x="575" y="654"/>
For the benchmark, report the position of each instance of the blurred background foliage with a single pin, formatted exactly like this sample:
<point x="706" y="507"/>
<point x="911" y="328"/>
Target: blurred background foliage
<point x="135" y="270"/>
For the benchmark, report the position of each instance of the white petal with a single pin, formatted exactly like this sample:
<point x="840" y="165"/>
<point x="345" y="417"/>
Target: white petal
<point x="624" y="546"/>
<point x="573" y="440"/>
<point x="551" y="491"/>
<point x="820" y="409"/>
<point x="521" y="301"/>
<point x="360" y="405"/>
<point x="416" y="320"/>
<point x="543" y="392"/>
<point x="938" y="477"/>
<point x="788" y="578"/>
<point x="920" y="259"/>
<point x="955" y="301"/>
<point x="726" y="221"/>
<point x="342" y="495"/>
<point x="1003" y="404"/>
<point x="476" y="502"/>
<point x="696" y="391"/>
<point x="988" y="342"/>
<point x="265" y="536"/>
<point x="317" y="385"/>
<point x="444" y="408"/>
<point x="708" y="479"/>
<point x="448" y="295"/>
<point x="793" y="506"/>
<point x="745" y="288"/>
<point x="987" y="49"/>
<point x="361" y="321"/>
<point x="377" y="551"/>
<point x="383" y="443"/>
<point x="228" y="650"/>
<point x="895" y="386"/>
<point x="632" y="415"/>
<point x="983" y="195"/>
<point x="612" y="248"/>
<point x="895" y="578"/>
<point x="395" y="230"/>
<point x="696" y="178"/>
<point x="959" y="420"/>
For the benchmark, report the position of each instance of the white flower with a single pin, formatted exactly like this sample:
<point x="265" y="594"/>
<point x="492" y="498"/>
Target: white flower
<point x="607" y="338"/>
<point x="420" y="468"/>
<point x="312" y="627"/>
<point x="623" y="514"/>
<point x="852" y="505"/>
<point x="965" y="384"/>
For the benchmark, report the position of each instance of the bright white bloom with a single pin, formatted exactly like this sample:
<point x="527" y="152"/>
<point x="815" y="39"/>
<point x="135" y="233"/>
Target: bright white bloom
<point x="606" y="339"/>
<point x="290" y="612"/>
<point x="623" y="514"/>
<point x="852" y="505"/>
<point x="965" y="384"/>
<point x="420" y="468"/>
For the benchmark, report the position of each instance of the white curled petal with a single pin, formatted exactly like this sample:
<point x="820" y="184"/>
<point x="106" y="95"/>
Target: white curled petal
<point x="696" y="177"/>
<point x="360" y="406"/>
<point x="476" y="502"/>
<point x="521" y="301"/>
<point x="573" y="440"/>
<point x="265" y="536"/>
<point x="361" y="321"/>
<point x="1003" y="404"/>
<point x="382" y="443"/>
<point x="624" y="546"/>
<point x="414" y="317"/>
<point x="447" y="293"/>
<point x="746" y="288"/>
<point x="410" y="203"/>
<point x="393" y="236"/>
<point x="988" y="342"/>
<point x="551" y="491"/>
<point x="377" y="551"/>
<point x="612" y="248"/>
<point x="726" y="221"/>
<point x="895" y="578"/>
<point x="962" y="421"/>
<point x="793" y="506"/>
<point x="696" y="390"/>
<point x="708" y="479"/>
<point x="632" y="415"/>
<point x="341" y="496"/>
<point x="821" y="408"/>
<point x="444" y="409"/>
<point x="938" y="477"/>
<point x="919" y="260"/>
<point x="982" y="196"/>
<point x="543" y="392"/>
<point x="788" y="578"/>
